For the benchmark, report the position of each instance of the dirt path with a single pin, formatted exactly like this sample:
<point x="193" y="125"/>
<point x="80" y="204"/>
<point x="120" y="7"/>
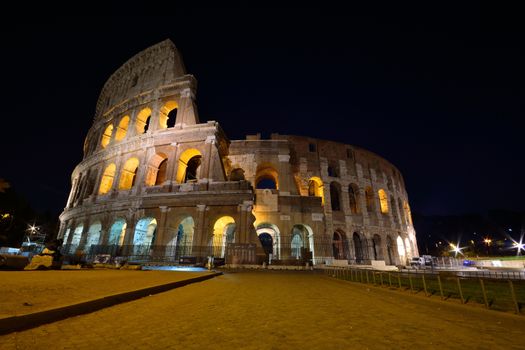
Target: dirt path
<point x="23" y="292"/>
<point x="279" y="310"/>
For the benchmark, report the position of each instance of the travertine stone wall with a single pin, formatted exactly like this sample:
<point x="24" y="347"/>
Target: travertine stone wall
<point x="148" y="89"/>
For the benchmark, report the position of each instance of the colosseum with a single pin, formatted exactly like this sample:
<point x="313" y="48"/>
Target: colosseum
<point x="156" y="184"/>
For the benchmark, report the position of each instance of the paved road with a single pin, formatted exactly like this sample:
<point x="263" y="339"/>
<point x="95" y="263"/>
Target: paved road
<point x="279" y="310"/>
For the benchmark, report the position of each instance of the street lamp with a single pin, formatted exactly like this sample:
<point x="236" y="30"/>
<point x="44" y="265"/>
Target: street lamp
<point x="487" y="241"/>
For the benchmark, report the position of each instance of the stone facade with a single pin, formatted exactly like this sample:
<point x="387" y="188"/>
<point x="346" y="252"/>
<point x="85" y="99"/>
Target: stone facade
<point x="156" y="180"/>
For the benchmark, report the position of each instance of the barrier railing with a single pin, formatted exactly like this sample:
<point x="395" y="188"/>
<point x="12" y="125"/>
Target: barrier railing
<point x="502" y="293"/>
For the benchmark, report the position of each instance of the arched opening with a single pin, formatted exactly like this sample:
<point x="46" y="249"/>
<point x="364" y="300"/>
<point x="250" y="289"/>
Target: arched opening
<point x="122" y="128"/>
<point x="117" y="233"/>
<point x="144" y="236"/>
<point x="369" y="194"/>
<point x="335" y="197"/>
<point x="181" y="244"/>
<point x="353" y="198"/>
<point x="383" y="201"/>
<point x="333" y="170"/>
<point x="302" y="244"/>
<point x="223" y="234"/>
<point x="66" y="235"/>
<point x="75" y="240"/>
<point x="266" y="177"/>
<point x="378" y="250"/>
<point x="390" y="250"/>
<point x="168" y="114"/>
<point x="297" y="245"/>
<point x="401" y="249"/>
<point x="315" y="188"/>
<point x="408" y="213"/>
<point x="107" y="179"/>
<point x="408" y="249"/>
<point x="142" y="123"/>
<point x="157" y="170"/>
<point x="237" y="174"/>
<point x="358" y="249"/>
<point x="188" y="166"/>
<point x="128" y="175"/>
<point x="106" y="136"/>
<point x="93" y="235"/>
<point x="269" y="235"/>
<point x="339" y="246"/>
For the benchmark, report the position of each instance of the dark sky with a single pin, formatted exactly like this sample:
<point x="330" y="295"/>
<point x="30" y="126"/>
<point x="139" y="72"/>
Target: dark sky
<point x="436" y="91"/>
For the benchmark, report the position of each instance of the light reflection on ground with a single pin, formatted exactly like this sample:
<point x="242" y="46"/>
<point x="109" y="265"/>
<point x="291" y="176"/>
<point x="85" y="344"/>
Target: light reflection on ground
<point x="174" y="268"/>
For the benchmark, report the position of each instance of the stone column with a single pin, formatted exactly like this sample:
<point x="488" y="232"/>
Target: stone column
<point x="187" y="113"/>
<point x="284" y="175"/>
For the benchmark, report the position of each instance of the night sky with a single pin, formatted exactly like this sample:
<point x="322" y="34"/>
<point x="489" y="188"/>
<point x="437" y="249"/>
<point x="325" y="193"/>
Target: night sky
<point x="439" y="94"/>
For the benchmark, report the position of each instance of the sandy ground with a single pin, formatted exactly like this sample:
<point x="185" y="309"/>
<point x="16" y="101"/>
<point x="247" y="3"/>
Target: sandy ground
<point x="279" y="310"/>
<point x="23" y="292"/>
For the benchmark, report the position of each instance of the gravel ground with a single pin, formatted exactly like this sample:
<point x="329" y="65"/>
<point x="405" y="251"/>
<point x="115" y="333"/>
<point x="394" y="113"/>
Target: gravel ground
<point x="279" y="310"/>
<point x="23" y="292"/>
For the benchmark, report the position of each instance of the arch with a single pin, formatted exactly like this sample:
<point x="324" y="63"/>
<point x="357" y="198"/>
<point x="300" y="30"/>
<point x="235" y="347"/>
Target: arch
<point x="66" y="235"/>
<point x="144" y="235"/>
<point x="383" y="201"/>
<point x="106" y="136"/>
<point x="335" y="196"/>
<point x="107" y="179"/>
<point x="401" y="249"/>
<point x="142" y="123"/>
<point x="168" y="114"/>
<point x="390" y="250"/>
<point x="315" y="188"/>
<point x="408" y="213"/>
<point x="297" y="245"/>
<point x="117" y="232"/>
<point x="339" y="245"/>
<point x="358" y="248"/>
<point x="122" y="128"/>
<point x="77" y="236"/>
<point x="306" y="234"/>
<point x="273" y="245"/>
<point x="223" y="233"/>
<point x="378" y="250"/>
<point x="182" y="243"/>
<point x="93" y="235"/>
<point x="408" y="248"/>
<point x="157" y="170"/>
<point x="353" y="197"/>
<point x="128" y="174"/>
<point x="266" y="177"/>
<point x="369" y="195"/>
<point x="237" y="174"/>
<point x="189" y="162"/>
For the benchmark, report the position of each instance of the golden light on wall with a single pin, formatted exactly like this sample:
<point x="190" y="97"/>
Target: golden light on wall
<point x="127" y="177"/>
<point x="122" y="128"/>
<point x="142" y="120"/>
<point x="408" y="213"/>
<point x="315" y="188"/>
<point x="156" y="173"/>
<point x="164" y="111"/>
<point x="106" y="137"/>
<point x="107" y="179"/>
<point x="183" y="163"/>
<point x="383" y="201"/>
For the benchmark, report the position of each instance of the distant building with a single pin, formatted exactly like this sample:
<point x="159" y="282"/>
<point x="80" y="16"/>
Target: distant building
<point x="156" y="184"/>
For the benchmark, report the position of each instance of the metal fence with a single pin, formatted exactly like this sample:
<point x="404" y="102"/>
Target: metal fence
<point x="502" y="293"/>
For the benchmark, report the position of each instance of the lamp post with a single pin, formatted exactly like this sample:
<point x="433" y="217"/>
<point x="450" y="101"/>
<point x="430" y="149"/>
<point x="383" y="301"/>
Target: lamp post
<point x="487" y="241"/>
